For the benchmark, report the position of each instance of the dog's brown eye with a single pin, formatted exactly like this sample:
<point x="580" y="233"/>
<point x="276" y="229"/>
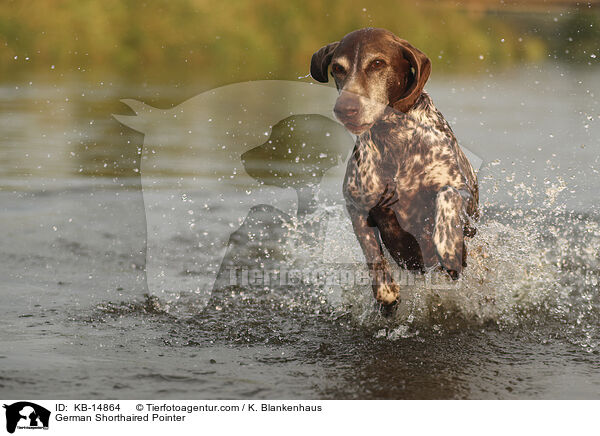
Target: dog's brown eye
<point x="337" y="69"/>
<point x="377" y="64"/>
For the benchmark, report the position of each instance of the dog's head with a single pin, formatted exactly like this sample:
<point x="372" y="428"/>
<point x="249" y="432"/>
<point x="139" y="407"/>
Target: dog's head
<point x="373" y="69"/>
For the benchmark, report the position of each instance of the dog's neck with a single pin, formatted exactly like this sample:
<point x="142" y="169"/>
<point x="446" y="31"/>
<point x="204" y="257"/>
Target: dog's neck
<point x="394" y="123"/>
<point x="392" y="115"/>
<point x="419" y="113"/>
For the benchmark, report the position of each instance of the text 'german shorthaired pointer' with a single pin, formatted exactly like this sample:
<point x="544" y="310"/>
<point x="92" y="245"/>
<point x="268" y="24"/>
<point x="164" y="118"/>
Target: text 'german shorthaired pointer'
<point x="408" y="183"/>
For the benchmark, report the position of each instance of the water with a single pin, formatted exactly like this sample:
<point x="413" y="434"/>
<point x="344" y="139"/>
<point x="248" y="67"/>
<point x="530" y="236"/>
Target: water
<point x="83" y="316"/>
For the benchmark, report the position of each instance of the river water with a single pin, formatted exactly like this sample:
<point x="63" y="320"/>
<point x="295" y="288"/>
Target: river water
<point x="117" y="251"/>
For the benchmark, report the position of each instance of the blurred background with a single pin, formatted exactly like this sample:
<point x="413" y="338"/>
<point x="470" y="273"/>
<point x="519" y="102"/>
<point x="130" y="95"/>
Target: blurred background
<point x="221" y="42"/>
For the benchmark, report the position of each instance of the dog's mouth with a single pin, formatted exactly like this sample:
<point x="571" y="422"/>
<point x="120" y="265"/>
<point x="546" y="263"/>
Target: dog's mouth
<point x="357" y="128"/>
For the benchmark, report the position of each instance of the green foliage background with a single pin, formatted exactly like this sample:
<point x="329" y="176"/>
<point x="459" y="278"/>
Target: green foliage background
<point x="222" y="41"/>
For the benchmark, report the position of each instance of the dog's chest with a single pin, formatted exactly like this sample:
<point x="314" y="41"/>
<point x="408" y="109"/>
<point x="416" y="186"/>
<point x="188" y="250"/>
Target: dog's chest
<point x="394" y="167"/>
<point x="370" y="175"/>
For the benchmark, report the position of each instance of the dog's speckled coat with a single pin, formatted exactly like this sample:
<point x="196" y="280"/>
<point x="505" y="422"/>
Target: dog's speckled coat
<point x="408" y="184"/>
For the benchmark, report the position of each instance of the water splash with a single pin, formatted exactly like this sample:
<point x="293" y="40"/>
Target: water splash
<point x="532" y="266"/>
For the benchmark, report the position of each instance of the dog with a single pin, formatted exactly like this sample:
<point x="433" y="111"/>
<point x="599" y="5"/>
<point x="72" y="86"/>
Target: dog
<point x="408" y="184"/>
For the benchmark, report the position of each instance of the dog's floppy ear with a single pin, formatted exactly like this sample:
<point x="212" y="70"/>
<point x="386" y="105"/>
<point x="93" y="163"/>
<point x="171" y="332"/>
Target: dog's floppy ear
<point x="421" y="67"/>
<point x="320" y="62"/>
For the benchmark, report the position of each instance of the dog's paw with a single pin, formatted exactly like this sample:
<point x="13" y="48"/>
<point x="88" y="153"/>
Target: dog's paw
<point x="386" y="310"/>
<point x="454" y="275"/>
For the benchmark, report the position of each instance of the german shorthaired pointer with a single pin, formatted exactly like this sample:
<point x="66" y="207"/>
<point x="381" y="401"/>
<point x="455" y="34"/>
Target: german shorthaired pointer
<point x="408" y="183"/>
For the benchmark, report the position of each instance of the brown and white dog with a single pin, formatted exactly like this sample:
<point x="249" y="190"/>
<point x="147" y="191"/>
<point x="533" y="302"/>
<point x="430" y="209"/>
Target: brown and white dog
<point x="408" y="184"/>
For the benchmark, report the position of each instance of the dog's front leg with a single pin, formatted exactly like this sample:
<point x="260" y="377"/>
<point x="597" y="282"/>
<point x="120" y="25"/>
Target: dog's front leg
<point x="448" y="235"/>
<point x="384" y="288"/>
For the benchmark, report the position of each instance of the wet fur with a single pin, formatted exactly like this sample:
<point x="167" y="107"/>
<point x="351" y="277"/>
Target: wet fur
<point x="408" y="184"/>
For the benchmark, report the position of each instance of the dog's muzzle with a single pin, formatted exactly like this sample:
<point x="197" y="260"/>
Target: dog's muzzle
<point x="348" y="109"/>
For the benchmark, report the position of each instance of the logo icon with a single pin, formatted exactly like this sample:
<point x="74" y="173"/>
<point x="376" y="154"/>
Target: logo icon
<point x="26" y="415"/>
